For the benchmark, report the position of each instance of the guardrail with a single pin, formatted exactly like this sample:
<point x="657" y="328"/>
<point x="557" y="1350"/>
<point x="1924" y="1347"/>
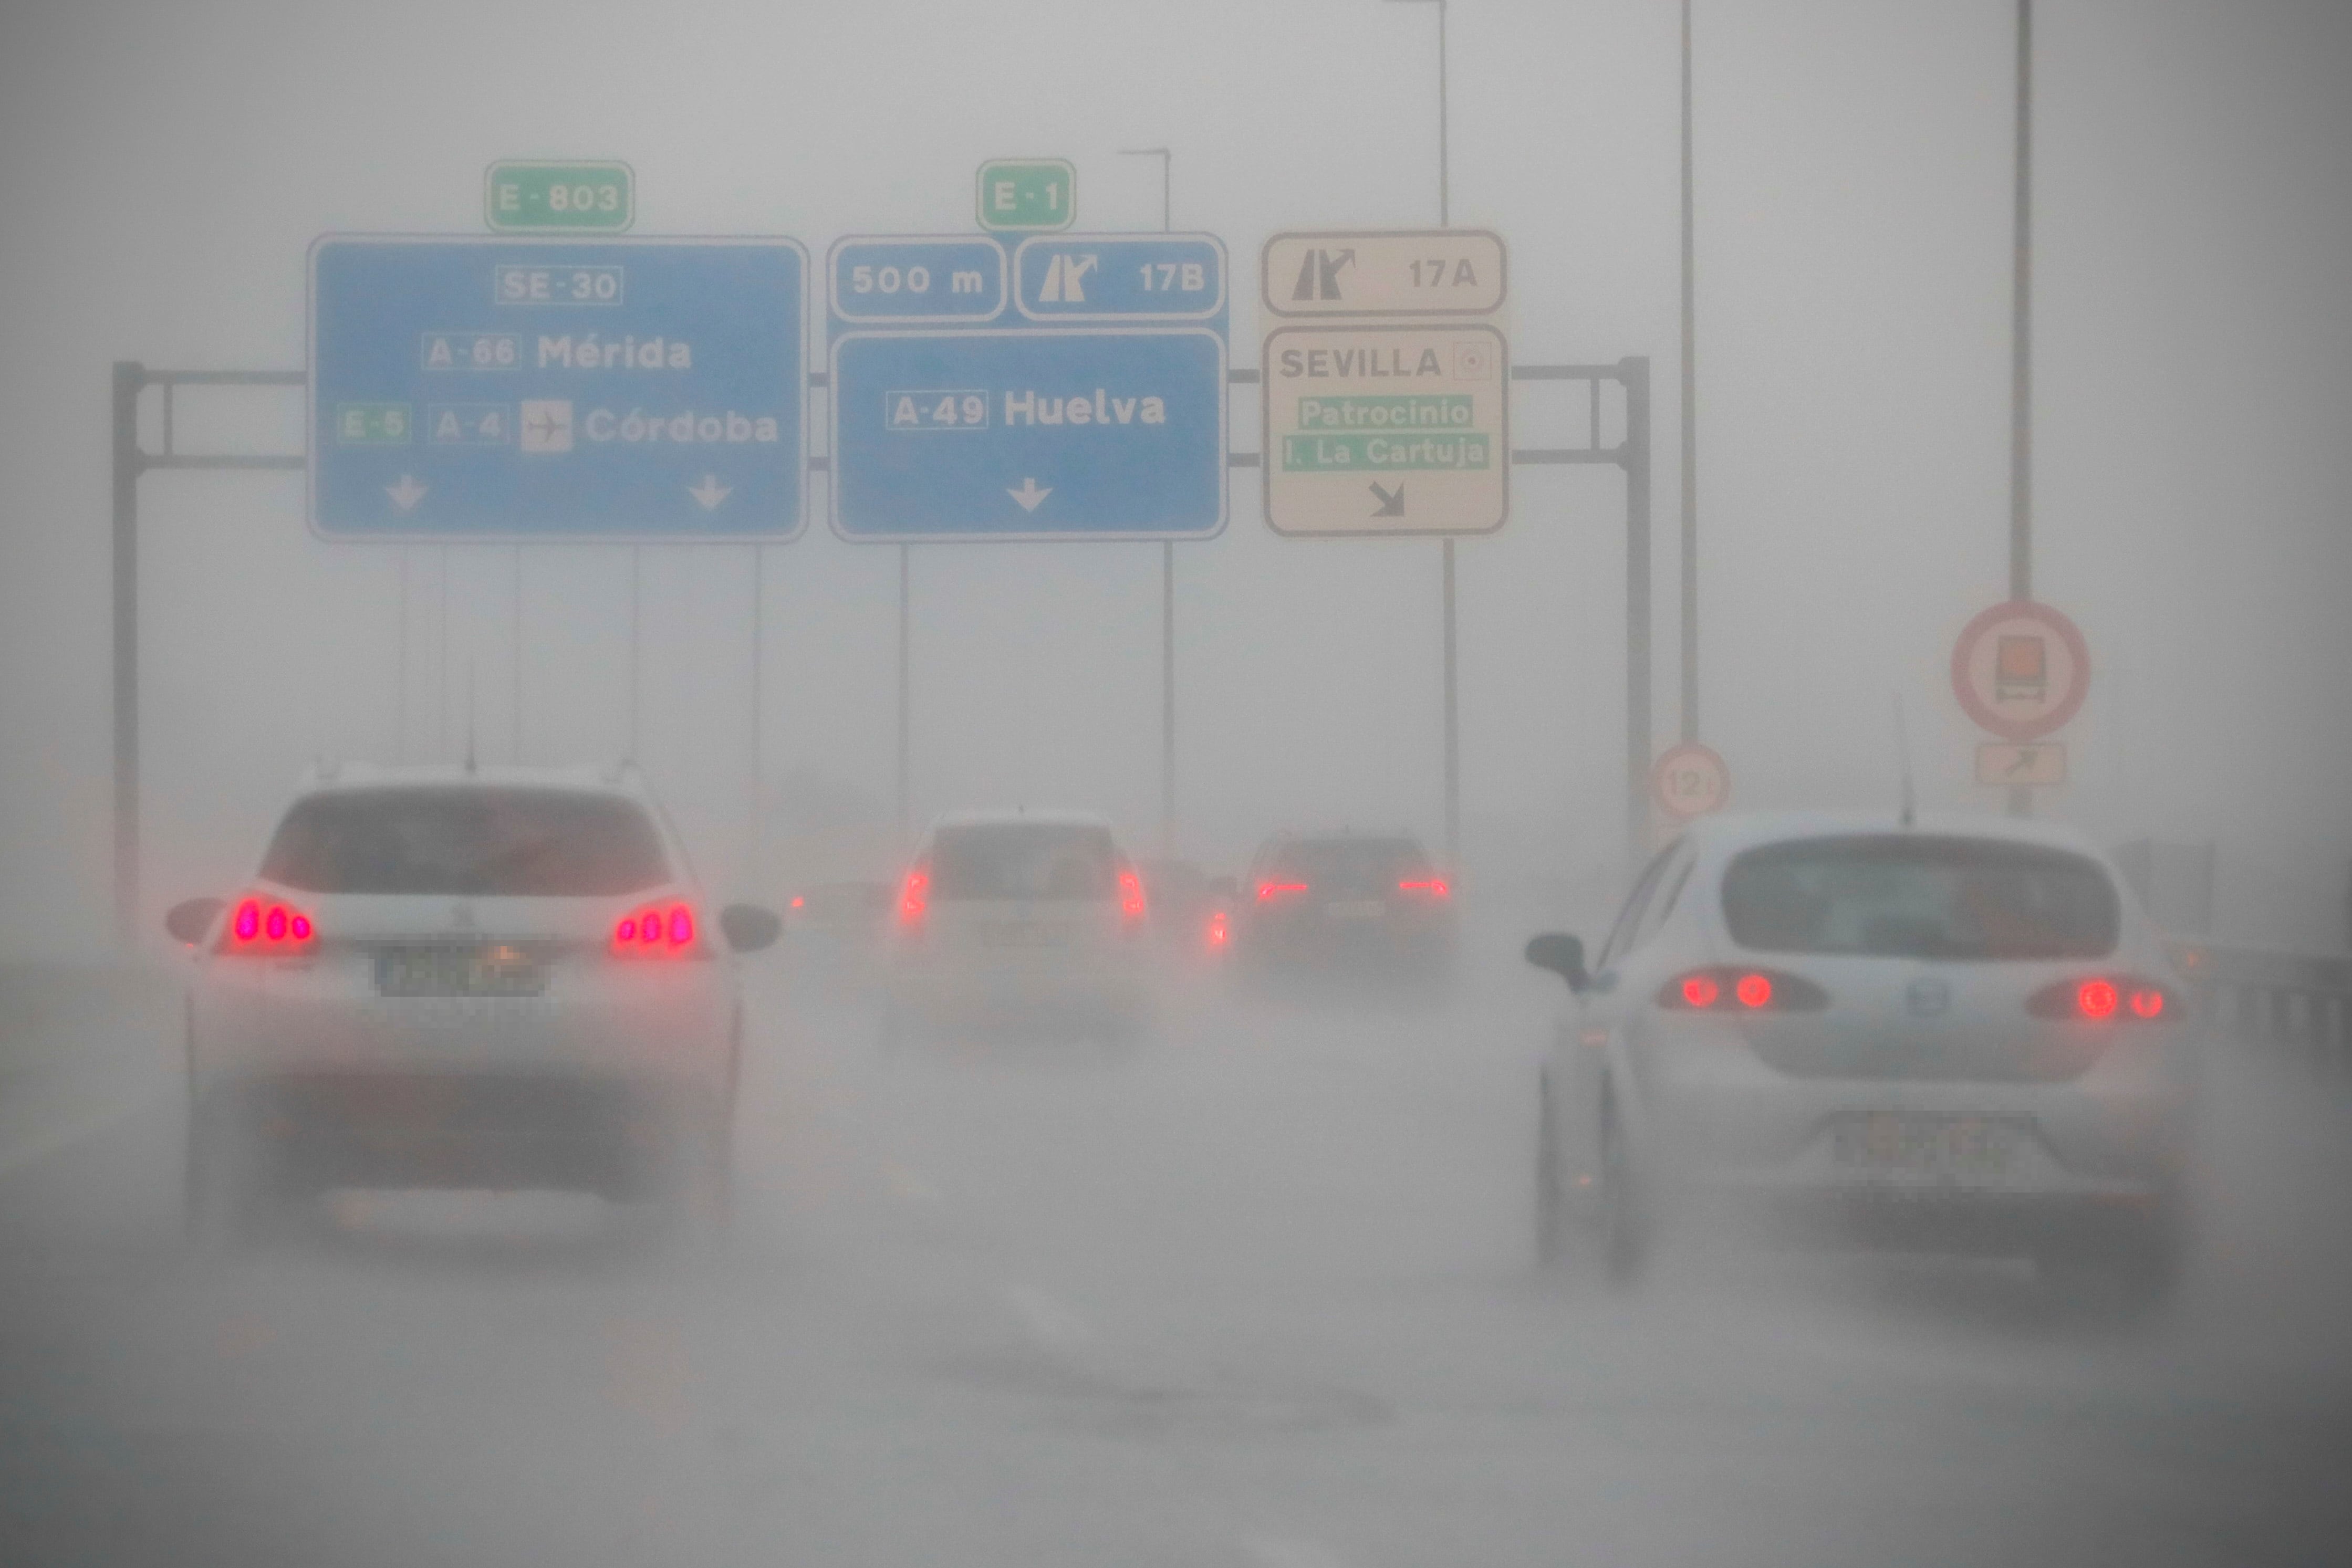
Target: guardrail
<point x="2301" y="1004"/>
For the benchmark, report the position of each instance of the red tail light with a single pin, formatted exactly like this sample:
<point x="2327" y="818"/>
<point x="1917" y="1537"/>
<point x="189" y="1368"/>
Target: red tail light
<point x="2103" y="998"/>
<point x="915" y="896"/>
<point x="663" y="930"/>
<point x="1130" y="897"/>
<point x="1273" y="892"/>
<point x="1220" y="929"/>
<point x="1427" y="887"/>
<point x="1726" y="989"/>
<point x="260" y="926"/>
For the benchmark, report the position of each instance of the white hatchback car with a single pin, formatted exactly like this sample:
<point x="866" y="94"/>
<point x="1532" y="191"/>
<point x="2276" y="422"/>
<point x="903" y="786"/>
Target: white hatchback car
<point x="1960" y="1034"/>
<point x="459" y="977"/>
<point x="1027" y="917"/>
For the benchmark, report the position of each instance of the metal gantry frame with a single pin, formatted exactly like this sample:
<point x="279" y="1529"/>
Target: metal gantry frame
<point x="131" y="460"/>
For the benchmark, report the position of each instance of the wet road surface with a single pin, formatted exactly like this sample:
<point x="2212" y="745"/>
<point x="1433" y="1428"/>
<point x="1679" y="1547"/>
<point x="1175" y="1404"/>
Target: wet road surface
<point x="1255" y="1292"/>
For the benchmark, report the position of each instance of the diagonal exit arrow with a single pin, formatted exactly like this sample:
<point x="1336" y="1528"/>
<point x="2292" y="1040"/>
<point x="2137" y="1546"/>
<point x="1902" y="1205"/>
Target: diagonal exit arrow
<point x="1029" y="495"/>
<point x="1391" y="506"/>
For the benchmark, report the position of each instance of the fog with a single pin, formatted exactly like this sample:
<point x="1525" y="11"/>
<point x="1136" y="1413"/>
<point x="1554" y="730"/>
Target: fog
<point x="1257" y="1291"/>
<point x="165" y="169"/>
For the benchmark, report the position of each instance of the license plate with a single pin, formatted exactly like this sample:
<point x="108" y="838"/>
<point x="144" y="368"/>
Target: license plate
<point x="491" y="969"/>
<point x="1887" y="1141"/>
<point x="1355" y="909"/>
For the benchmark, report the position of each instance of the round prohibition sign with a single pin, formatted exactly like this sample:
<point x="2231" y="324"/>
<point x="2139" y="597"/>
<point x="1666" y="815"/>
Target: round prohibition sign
<point x="2021" y="670"/>
<point x="1690" y="780"/>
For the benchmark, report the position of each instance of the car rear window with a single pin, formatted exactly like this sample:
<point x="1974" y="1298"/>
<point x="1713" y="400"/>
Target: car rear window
<point x="1024" y="859"/>
<point x="476" y="840"/>
<point x="1340" y="865"/>
<point x="1922" y="897"/>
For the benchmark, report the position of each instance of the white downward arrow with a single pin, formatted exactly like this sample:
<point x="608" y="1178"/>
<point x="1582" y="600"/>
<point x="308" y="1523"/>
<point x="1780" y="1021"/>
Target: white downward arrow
<point x="1029" y="495"/>
<point x="711" y="492"/>
<point x="406" y="494"/>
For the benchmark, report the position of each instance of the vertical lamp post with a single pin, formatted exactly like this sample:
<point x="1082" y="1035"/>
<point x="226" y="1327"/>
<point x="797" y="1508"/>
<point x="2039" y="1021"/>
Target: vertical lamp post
<point x="2021" y="409"/>
<point x="1167" y="593"/>
<point x="1690" y="415"/>
<point x="1453" y="709"/>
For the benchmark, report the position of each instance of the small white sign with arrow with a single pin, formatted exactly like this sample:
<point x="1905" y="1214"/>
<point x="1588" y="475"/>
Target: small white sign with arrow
<point x="711" y="492"/>
<point x="407" y="493"/>
<point x="1029" y="495"/>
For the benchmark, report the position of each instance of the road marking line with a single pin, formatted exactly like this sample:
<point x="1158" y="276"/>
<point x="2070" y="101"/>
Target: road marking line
<point x="31" y="1151"/>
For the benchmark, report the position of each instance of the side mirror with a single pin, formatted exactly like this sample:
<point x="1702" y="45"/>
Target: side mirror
<point x="749" y="928"/>
<point x="189" y="919"/>
<point x="1563" y="955"/>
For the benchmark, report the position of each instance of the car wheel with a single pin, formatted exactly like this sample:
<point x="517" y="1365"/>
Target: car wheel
<point x="2125" y="1271"/>
<point x="695" y="1198"/>
<point x="1627" y="1226"/>
<point x="1554" y="1222"/>
<point x="229" y="1191"/>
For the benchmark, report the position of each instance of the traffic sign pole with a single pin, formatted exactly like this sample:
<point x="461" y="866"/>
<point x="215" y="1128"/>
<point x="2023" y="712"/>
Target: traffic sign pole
<point x="2020" y="449"/>
<point x="1167" y="593"/>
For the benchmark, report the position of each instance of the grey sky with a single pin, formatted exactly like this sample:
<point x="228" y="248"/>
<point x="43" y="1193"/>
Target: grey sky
<point x="164" y="168"/>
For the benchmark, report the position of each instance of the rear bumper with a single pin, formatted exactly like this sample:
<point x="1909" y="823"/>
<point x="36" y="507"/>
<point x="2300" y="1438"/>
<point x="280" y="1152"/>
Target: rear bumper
<point x="956" y="986"/>
<point x="1414" y="950"/>
<point x="657" y="1024"/>
<point x="1722" y="1121"/>
<point x="382" y="1129"/>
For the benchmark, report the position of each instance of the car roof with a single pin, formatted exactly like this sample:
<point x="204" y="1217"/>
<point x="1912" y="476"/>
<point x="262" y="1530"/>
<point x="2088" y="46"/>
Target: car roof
<point x="981" y="819"/>
<point x="1730" y="831"/>
<point x="612" y="779"/>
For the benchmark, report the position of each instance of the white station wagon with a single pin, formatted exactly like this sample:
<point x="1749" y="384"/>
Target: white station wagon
<point x="1961" y="1034"/>
<point x="445" y="976"/>
<point x="1033" y="918"/>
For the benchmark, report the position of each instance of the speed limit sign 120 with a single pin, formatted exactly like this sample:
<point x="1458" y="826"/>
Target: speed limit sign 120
<point x="1690" y="780"/>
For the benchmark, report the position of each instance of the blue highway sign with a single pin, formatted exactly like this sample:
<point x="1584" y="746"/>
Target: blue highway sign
<point x="509" y="389"/>
<point x="1121" y="278"/>
<point x="906" y="282"/>
<point x="1093" y="406"/>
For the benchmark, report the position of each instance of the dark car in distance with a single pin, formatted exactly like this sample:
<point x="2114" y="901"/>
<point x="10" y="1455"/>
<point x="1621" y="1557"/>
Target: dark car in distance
<point x="1364" y="908"/>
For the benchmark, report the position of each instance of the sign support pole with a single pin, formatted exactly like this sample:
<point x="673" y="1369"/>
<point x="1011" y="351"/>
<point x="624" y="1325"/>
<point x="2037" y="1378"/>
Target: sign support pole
<point x="1167" y="697"/>
<point x="400" y="665"/>
<point x="636" y="613"/>
<point x="903" y="684"/>
<point x="2021" y="429"/>
<point x="1445" y="552"/>
<point x="515" y="738"/>
<point x="1635" y="375"/>
<point x="759" y="759"/>
<point x="1453" y="721"/>
<point x="129" y="377"/>
<point x="1690" y="416"/>
<point x="441" y="652"/>
<point x="1167" y="592"/>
